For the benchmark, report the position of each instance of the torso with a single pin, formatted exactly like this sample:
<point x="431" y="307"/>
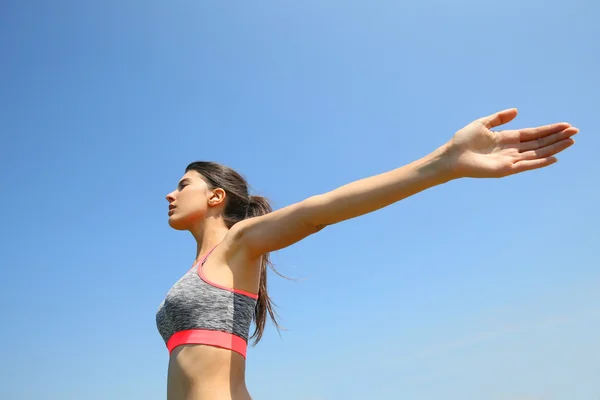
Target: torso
<point x="199" y="372"/>
<point x="204" y="371"/>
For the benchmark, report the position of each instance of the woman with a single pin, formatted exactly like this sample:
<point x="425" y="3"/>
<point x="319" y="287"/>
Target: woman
<point x="206" y="316"/>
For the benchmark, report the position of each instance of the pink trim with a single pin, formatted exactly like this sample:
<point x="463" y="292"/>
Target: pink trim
<point x="203" y="259"/>
<point x="220" y="339"/>
<point x="238" y="291"/>
<point x="203" y="277"/>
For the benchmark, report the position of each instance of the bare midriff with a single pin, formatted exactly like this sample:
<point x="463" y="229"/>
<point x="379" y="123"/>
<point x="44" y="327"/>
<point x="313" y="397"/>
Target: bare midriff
<point x="200" y="372"/>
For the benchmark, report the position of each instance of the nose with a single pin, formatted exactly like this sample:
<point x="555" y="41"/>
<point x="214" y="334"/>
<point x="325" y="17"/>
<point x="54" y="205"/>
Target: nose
<point x="170" y="197"/>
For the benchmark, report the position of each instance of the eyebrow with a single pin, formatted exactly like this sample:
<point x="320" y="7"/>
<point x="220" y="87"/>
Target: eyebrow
<point x="184" y="180"/>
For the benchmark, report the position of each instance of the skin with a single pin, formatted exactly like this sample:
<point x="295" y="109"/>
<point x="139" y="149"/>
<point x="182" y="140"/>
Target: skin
<point x="198" y="372"/>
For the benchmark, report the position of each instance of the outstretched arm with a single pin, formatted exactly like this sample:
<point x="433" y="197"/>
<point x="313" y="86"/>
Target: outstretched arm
<point x="291" y="224"/>
<point x="474" y="151"/>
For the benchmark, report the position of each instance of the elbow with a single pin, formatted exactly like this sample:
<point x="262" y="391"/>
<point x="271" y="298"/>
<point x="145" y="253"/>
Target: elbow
<point x="319" y="228"/>
<point x="315" y="212"/>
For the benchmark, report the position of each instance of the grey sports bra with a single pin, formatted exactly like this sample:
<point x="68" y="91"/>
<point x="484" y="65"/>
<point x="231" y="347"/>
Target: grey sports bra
<point x="197" y="311"/>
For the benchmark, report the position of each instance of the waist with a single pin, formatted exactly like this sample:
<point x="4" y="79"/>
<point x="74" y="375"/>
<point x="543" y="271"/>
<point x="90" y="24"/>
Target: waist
<point x="199" y="372"/>
<point x="224" y="393"/>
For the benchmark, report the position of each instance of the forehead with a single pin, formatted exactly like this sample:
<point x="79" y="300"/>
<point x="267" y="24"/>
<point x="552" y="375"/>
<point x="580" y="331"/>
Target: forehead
<point x="191" y="176"/>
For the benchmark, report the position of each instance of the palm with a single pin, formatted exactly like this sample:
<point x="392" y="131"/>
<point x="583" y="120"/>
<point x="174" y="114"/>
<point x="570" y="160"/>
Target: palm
<point x="480" y="152"/>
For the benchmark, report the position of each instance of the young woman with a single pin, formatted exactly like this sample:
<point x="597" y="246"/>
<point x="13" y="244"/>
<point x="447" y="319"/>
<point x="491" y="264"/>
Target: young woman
<point x="205" y="318"/>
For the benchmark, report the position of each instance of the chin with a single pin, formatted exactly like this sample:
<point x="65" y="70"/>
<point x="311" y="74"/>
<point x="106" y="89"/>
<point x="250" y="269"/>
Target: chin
<point x="177" y="224"/>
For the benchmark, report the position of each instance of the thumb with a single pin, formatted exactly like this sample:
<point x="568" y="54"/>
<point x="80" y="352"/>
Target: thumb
<point x="499" y="118"/>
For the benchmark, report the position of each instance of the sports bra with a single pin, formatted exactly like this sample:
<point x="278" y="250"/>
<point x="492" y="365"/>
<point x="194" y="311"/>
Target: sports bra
<point x="197" y="311"/>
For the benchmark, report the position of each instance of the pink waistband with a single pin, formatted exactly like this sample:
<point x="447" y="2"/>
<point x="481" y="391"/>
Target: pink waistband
<point x="220" y="339"/>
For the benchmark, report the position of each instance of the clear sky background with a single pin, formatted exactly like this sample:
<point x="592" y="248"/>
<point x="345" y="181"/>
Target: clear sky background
<point x="478" y="289"/>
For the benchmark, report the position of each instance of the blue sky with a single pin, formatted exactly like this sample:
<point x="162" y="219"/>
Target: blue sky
<point x="474" y="289"/>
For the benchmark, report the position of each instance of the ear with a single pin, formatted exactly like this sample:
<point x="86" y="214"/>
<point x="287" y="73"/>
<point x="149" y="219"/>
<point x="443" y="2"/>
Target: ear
<point x="216" y="197"/>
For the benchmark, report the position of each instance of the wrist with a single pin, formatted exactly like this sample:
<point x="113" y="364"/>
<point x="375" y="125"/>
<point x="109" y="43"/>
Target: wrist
<point x="442" y="163"/>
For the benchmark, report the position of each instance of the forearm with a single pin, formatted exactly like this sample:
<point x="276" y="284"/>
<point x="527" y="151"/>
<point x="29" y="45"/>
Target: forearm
<point x="373" y="193"/>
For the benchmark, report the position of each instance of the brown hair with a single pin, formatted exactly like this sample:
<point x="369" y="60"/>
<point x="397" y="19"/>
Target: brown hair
<point x="239" y="206"/>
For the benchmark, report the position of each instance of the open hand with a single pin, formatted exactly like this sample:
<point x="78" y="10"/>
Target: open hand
<point x="479" y="152"/>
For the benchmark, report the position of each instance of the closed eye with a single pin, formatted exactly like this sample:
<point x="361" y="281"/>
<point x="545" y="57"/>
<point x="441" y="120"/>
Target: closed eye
<point x="182" y="184"/>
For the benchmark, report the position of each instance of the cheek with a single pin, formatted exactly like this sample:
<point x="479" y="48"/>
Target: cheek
<point x="192" y="208"/>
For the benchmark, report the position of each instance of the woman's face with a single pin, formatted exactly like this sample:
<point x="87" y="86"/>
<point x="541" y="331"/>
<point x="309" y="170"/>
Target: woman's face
<point x="188" y="203"/>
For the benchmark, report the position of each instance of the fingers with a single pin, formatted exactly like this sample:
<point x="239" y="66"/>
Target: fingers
<point x="499" y="118"/>
<point x="541" y="131"/>
<point x="547" y="151"/>
<point x="540" y="152"/>
<point x="552" y="137"/>
<point x="528" y="165"/>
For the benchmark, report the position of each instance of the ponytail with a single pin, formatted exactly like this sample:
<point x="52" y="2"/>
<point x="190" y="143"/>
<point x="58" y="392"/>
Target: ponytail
<point x="257" y="206"/>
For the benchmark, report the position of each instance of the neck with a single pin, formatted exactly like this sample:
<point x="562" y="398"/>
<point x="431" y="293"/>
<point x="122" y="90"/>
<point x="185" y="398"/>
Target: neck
<point x="212" y="234"/>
